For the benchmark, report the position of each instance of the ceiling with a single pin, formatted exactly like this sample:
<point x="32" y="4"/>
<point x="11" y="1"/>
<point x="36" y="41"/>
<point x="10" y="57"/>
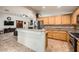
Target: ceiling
<point x="53" y="10"/>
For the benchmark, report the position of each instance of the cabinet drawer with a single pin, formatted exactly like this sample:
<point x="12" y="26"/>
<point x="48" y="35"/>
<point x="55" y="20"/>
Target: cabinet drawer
<point x="61" y="36"/>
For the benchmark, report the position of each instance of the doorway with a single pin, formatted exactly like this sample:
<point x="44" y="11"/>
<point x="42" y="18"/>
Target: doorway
<point x="19" y="24"/>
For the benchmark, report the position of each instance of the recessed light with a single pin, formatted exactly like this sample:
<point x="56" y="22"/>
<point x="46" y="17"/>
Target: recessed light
<point x="58" y="6"/>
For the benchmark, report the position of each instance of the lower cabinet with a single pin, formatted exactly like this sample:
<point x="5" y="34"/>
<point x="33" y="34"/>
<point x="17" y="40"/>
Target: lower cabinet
<point x="60" y="35"/>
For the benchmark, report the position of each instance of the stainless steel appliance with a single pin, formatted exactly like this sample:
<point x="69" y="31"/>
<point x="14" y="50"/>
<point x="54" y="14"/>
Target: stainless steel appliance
<point x="73" y="40"/>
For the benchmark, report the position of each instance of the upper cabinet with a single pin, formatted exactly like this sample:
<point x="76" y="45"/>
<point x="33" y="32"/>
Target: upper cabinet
<point x="74" y="16"/>
<point x="57" y="19"/>
<point x="66" y="19"/>
<point x="52" y="20"/>
<point x="45" y="20"/>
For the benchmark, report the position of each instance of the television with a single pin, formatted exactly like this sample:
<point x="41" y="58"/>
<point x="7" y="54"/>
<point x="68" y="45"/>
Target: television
<point x="8" y="22"/>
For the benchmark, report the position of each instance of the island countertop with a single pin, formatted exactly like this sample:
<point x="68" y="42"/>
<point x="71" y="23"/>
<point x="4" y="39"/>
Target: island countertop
<point x="36" y="30"/>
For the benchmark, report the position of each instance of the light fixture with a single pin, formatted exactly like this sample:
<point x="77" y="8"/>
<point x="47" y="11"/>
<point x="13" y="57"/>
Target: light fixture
<point x="23" y="15"/>
<point x="58" y="6"/>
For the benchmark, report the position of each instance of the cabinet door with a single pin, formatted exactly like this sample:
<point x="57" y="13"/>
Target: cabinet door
<point x="45" y="20"/>
<point x="66" y="19"/>
<point x="60" y="35"/>
<point x="40" y="19"/>
<point x="52" y="20"/>
<point x="57" y="19"/>
<point x="50" y="34"/>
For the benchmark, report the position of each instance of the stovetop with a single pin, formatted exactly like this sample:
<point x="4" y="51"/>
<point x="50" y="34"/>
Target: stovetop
<point x="75" y="34"/>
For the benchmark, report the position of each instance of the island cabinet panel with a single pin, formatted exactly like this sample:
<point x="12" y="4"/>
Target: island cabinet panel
<point x="33" y="39"/>
<point x="66" y="19"/>
<point x="57" y="19"/>
<point x="51" y="20"/>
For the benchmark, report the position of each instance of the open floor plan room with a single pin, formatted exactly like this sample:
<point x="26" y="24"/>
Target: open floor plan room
<point x="39" y="29"/>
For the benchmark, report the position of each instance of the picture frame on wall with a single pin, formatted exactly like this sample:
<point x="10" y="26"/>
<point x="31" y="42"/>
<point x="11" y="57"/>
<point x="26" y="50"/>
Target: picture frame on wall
<point x="8" y="18"/>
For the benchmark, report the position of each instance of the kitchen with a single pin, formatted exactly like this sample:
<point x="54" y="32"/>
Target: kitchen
<point x="52" y="29"/>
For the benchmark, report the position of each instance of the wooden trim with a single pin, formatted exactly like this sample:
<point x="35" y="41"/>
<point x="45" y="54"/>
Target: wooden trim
<point x="71" y="19"/>
<point x="46" y="42"/>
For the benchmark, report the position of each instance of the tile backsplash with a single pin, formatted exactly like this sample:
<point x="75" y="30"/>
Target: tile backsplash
<point x="67" y="28"/>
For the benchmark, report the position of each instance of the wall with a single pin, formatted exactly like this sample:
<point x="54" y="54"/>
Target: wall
<point x="16" y="13"/>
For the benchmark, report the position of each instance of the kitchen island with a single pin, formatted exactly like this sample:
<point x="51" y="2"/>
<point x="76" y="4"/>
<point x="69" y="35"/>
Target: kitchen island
<point x="33" y="39"/>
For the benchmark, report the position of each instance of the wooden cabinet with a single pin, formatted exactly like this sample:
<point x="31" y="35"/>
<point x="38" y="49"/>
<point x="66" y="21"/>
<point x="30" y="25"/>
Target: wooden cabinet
<point x="74" y="16"/>
<point x="57" y="19"/>
<point x="50" y="34"/>
<point x="40" y="19"/>
<point x="73" y="19"/>
<point x="60" y="35"/>
<point x="45" y="20"/>
<point x="66" y="19"/>
<point x="52" y="20"/>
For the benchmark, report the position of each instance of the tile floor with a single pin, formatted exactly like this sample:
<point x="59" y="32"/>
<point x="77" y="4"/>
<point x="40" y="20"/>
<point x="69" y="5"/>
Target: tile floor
<point x="8" y="43"/>
<point x="58" y="46"/>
